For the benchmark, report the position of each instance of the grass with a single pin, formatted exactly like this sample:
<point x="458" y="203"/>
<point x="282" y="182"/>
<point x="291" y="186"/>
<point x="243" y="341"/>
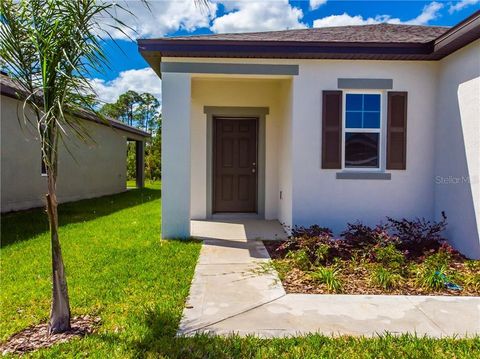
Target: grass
<point x="131" y="184"/>
<point x="119" y="269"/>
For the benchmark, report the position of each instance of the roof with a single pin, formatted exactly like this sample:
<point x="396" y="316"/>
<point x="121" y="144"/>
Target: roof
<point x="389" y="33"/>
<point x="371" y="42"/>
<point x="8" y="87"/>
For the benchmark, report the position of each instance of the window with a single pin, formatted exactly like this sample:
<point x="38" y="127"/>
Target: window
<point x="362" y="130"/>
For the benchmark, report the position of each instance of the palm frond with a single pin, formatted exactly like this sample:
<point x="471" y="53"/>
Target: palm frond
<point x="51" y="48"/>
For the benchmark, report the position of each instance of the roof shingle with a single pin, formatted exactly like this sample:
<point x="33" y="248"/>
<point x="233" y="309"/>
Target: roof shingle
<point x="384" y="33"/>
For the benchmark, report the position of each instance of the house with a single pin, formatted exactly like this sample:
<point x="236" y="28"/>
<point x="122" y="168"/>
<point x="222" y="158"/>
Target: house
<point x="88" y="169"/>
<point x="323" y="126"/>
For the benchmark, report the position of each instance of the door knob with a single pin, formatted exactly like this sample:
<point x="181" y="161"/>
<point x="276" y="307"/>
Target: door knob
<point x="253" y="170"/>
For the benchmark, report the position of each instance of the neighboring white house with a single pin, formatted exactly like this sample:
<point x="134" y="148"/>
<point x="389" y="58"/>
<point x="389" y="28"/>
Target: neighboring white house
<point x="323" y="126"/>
<point x="85" y="169"/>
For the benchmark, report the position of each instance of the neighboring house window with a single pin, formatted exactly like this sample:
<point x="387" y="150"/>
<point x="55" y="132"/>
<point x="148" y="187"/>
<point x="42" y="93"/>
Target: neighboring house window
<point x="44" y="167"/>
<point x="362" y="130"/>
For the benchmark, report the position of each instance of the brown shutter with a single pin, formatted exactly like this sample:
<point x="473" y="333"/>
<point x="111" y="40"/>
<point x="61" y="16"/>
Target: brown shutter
<point x="332" y="129"/>
<point x="397" y="131"/>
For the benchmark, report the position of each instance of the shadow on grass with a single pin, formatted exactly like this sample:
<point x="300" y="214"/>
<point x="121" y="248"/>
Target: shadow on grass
<point x="160" y="340"/>
<point x="23" y="225"/>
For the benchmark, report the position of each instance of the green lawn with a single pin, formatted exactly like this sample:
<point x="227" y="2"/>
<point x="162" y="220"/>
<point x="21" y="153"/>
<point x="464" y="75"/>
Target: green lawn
<point x="119" y="269"/>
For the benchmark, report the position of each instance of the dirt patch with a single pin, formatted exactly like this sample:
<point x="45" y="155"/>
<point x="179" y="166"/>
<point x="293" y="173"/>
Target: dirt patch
<point x="355" y="279"/>
<point x="36" y="337"/>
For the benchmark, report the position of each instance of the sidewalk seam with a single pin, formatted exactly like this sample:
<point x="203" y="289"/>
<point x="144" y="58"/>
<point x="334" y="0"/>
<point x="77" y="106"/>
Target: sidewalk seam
<point x="234" y="315"/>
<point x="426" y="316"/>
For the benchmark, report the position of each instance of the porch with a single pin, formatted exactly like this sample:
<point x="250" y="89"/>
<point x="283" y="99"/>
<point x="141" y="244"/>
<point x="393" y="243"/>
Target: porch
<point x="226" y="148"/>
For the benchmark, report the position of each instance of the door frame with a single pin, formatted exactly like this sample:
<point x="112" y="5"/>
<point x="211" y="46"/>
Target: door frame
<point x="238" y="112"/>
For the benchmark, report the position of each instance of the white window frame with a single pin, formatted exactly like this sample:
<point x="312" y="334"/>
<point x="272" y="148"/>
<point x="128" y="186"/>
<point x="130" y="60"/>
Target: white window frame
<point x="380" y="131"/>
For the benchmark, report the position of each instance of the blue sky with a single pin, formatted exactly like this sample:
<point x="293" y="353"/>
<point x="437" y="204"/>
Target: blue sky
<point x="128" y="70"/>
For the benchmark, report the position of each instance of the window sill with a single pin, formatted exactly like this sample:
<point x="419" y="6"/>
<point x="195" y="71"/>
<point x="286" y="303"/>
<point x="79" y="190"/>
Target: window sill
<point x="353" y="175"/>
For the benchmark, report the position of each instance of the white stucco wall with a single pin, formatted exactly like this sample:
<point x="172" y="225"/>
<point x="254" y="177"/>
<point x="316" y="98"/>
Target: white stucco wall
<point x="320" y="198"/>
<point x="176" y="145"/>
<point x="92" y="169"/>
<point x="234" y="92"/>
<point x="285" y="174"/>
<point x="457" y="171"/>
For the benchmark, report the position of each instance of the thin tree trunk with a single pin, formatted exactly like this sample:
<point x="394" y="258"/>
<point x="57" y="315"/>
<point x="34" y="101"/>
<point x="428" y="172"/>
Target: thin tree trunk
<point x="60" y="311"/>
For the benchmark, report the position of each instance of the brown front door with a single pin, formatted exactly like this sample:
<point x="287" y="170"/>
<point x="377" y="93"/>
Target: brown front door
<point x="235" y="164"/>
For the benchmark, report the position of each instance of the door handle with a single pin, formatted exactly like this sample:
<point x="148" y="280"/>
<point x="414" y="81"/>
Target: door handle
<point x="253" y="170"/>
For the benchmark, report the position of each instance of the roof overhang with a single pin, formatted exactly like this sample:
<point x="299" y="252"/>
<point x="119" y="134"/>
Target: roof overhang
<point x="153" y="50"/>
<point x="458" y="36"/>
<point x="9" y="91"/>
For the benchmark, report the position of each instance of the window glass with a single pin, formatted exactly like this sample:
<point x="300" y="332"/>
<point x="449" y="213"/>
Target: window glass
<point x="362" y="111"/>
<point x="371" y="102"/>
<point x="361" y="150"/>
<point x="354" y="120"/>
<point x="371" y="120"/>
<point x="354" y="102"/>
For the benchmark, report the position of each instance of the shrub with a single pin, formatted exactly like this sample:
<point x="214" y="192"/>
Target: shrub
<point x="312" y="231"/>
<point x="472" y="280"/>
<point x="389" y="256"/>
<point x="309" y="240"/>
<point x="281" y="266"/>
<point x="321" y="253"/>
<point x="384" y="278"/>
<point x="473" y="265"/>
<point x="437" y="260"/>
<point x="299" y="259"/>
<point x="361" y="236"/>
<point x="329" y="277"/>
<point x="433" y="271"/>
<point x="432" y="278"/>
<point x="418" y="235"/>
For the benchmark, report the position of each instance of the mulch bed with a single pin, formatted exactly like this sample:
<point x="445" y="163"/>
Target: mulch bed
<point x="36" y="337"/>
<point x="356" y="281"/>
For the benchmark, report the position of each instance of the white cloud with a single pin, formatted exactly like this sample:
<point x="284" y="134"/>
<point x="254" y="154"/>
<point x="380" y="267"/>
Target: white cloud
<point x="142" y="80"/>
<point x="259" y="15"/>
<point x="159" y="18"/>
<point x="460" y="5"/>
<point x="315" y="4"/>
<point x="429" y="12"/>
<point x="345" y="20"/>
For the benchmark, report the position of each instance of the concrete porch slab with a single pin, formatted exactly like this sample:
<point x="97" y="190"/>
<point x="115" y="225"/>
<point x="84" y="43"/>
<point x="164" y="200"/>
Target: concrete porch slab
<point x="233" y="293"/>
<point x="238" y="230"/>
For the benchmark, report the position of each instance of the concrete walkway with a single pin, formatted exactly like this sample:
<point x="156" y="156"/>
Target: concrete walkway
<point x="231" y="293"/>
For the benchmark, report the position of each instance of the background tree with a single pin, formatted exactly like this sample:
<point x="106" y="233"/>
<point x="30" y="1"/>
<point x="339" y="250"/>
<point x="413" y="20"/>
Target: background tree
<point x="142" y="111"/>
<point x="134" y="109"/>
<point x="153" y="156"/>
<point x="148" y="114"/>
<point x="129" y="102"/>
<point x="50" y="46"/>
